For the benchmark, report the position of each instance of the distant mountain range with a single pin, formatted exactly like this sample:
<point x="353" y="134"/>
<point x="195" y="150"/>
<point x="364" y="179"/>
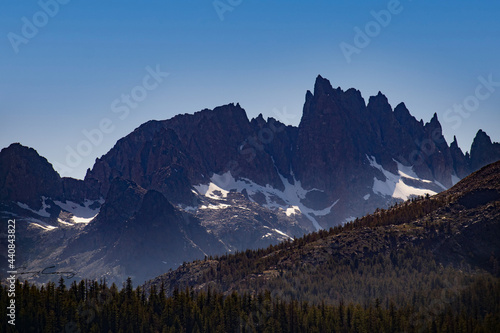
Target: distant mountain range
<point x="214" y="182"/>
<point x="393" y="254"/>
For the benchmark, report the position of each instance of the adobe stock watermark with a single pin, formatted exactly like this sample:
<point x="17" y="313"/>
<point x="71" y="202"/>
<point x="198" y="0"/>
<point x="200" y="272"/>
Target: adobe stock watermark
<point x="11" y="280"/>
<point x="223" y="6"/>
<point x="471" y="103"/>
<point x="363" y="37"/>
<point x="121" y="107"/>
<point x="283" y="116"/>
<point x="30" y="27"/>
<point x="425" y="149"/>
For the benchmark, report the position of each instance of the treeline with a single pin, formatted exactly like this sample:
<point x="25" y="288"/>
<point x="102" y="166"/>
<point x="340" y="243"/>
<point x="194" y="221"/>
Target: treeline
<point x="313" y="268"/>
<point x="89" y="306"/>
<point x="405" y="275"/>
<point x="398" y="213"/>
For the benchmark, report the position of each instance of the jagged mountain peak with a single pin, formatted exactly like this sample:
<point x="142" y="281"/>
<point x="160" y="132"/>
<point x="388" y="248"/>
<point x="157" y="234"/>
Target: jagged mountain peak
<point x="252" y="181"/>
<point x="259" y="121"/>
<point x="25" y="176"/>
<point x="379" y="104"/>
<point x="19" y="151"/>
<point x="483" y="151"/>
<point x="323" y="86"/>
<point x="404" y="116"/>
<point x="433" y="124"/>
<point x="327" y="152"/>
<point x="309" y="96"/>
<point x="482" y="138"/>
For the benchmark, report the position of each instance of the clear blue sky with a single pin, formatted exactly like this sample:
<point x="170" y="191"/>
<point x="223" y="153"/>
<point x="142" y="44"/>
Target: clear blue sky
<point x="64" y="78"/>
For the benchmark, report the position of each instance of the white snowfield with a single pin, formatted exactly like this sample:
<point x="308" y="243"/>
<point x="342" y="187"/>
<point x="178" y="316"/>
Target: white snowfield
<point x="210" y="190"/>
<point x="292" y="196"/>
<point x="80" y="214"/>
<point x="39" y="224"/>
<point x="282" y="235"/>
<point x="294" y="210"/>
<point x="394" y="185"/>
<point x="42" y="212"/>
<point x="219" y="206"/>
<point x="221" y="185"/>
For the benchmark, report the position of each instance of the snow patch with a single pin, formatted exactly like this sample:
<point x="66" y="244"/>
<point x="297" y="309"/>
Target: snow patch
<point x="210" y="190"/>
<point x="282" y="233"/>
<point x="77" y="219"/>
<point x="394" y="186"/>
<point x="279" y="232"/>
<point x="39" y="224"/>
<point x="81" y="213"/>
<point x="42" y="212"/>
<point x="219" y="206"/>
<point x="366" y="197"/>
<point x="348" y="219"/>
<point x="190" y="209"/>
<point x="407" y="172"/>
<point x="64" y="222"/>
<point x="294" y="210"/>
<point x="291" y="195"/>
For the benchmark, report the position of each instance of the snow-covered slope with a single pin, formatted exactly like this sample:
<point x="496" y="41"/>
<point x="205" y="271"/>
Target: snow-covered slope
<point x="289" y="200"/>
<point x="403" y="185"/>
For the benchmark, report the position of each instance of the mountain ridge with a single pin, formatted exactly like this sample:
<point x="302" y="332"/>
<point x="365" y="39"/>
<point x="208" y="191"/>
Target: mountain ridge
<point x="454" y="232"/>
<point x="247" y="182"/>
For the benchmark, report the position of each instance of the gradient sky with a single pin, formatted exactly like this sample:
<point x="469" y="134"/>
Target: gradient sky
<point x="265" y="55"/>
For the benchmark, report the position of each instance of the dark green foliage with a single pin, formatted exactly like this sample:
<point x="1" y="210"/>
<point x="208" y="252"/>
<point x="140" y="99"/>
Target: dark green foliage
<point x="391" y="254"/>
<point x="94" y="307"/>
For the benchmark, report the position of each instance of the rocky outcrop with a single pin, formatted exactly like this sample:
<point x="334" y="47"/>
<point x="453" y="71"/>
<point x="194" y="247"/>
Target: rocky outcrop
<point x="137" y="233"/>
<point x="25" y="176"/>
<point x="331" y="153"/>
<point x="215" y="181"/>
<point x="171" y="155"/>
<point x="483" y="151"/>
<point x="460" y="163"/>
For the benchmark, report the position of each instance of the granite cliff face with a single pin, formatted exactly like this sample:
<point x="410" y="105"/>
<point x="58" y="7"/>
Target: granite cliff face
<point x="25" y="177"/>
<point x="483" y="151"/>
<point x="346" y="157"/>
<point x="137" y="233"/>
<point x="215" y="181"/>
<point x="172" y="155"/>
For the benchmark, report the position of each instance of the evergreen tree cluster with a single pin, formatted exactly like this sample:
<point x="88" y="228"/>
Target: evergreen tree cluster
<point x="384" y="255"/>
<point x="89" y="306"/>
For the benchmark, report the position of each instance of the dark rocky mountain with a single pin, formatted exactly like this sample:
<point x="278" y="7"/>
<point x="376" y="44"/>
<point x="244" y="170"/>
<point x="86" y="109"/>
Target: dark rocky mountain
<point x="25" y="177"/>
<point x="216" y="181"/>
<point x="136" y="233"/>
<point x="483" y="151"/>
<point x="130" y="232"/>
<point x="453" y="235"/>
<point x="342" y="152"/>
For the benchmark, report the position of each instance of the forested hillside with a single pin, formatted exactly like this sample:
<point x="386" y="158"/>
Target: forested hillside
<point x="430" y="264"/>
<point x="94" y="307"/>
<point x="425" y="245"/>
